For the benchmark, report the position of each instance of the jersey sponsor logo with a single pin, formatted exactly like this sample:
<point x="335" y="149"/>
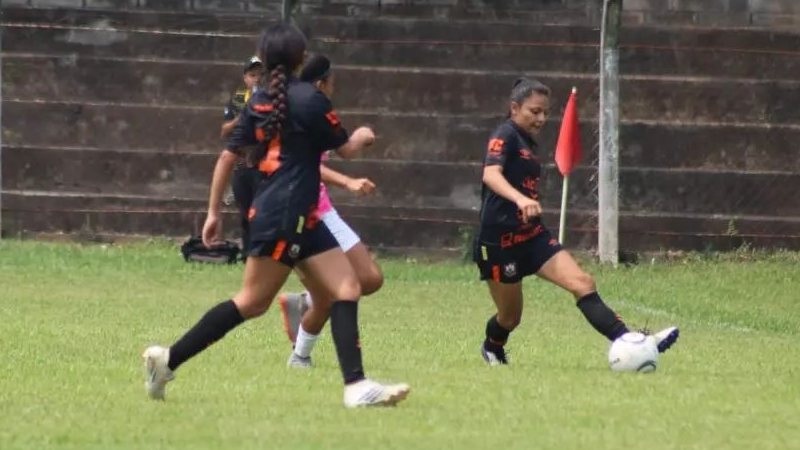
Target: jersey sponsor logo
<point x="496" y="147"/>
<point x="526" y="154"/>
<point x="530" y="183"/>
<point x="511" y="239"/>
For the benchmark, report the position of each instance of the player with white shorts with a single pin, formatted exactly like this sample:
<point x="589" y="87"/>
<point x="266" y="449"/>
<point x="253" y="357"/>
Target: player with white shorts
<point x="305" y="314"/>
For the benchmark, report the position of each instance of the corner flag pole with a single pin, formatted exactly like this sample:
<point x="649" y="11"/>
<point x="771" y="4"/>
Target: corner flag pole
<point x="568" y="154"/>
<point x="562" y="224"/>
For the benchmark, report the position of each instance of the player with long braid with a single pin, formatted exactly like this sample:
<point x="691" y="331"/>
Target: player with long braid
<point x="286" y="127"/>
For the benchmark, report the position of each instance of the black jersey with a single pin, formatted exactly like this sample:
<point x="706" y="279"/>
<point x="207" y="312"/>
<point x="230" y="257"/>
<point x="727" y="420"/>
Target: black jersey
<point x="286" y="196"/>
<point x="515" y="150"/>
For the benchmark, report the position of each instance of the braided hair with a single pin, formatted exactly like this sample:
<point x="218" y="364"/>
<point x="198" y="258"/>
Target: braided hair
<point x="281" y="49"/>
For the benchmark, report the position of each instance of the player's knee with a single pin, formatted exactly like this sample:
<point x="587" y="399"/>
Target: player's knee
<point x="349" y="289"/>
<point x="321" y="309"/>
<point x="584" y="284"/>
<point x="371" y="281"/>
<point x="251" y="306"/>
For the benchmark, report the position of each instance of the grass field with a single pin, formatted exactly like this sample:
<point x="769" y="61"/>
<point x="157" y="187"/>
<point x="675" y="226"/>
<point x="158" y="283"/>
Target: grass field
<point x="75" y="319"/>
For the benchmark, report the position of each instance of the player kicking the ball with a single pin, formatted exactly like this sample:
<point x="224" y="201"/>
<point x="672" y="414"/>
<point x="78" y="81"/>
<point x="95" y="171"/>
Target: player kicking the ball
<point x="513" y="243"/>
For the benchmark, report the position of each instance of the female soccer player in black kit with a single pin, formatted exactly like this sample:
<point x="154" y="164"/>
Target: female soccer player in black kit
<point x="286" y="127"/>
<point x="513" y="243"/>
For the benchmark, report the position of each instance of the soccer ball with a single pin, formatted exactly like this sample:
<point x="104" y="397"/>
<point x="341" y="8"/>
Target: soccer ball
<point x="633" y="352"/>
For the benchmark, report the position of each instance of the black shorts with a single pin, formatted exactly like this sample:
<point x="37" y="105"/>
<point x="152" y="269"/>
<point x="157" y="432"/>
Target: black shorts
<point x="508" y="257"/>
<point x="244" y="184"/>
<point x="297" y="248"/>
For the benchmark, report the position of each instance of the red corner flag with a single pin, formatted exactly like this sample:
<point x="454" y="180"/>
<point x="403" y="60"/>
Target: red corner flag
<point x="568" y="149"/>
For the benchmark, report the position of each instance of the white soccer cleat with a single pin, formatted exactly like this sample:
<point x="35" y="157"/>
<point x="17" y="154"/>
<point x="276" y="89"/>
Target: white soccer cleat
<point x="665" y="338"/>
<point x="370" y="393"/>
<point x="157" y="373"/>
<point x="494" y="358"/>
<point x="298" y="362"/>
<point x="293" y="306"/>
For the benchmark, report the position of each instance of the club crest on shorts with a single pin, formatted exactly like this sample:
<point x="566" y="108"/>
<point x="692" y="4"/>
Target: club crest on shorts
<point x="510" y="269"/>
<point x="294" y="251"/>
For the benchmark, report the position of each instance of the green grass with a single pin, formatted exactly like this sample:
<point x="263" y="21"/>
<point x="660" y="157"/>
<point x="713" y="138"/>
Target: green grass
<point x="74" y="320"/>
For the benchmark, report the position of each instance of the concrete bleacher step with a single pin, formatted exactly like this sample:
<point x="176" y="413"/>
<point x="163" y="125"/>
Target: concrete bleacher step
<point x="129" y="103"/>
<point x="383" y="228"/>
<point x="201" y="21"/>
<point x="573" y="53"/>
<point x="388" y="28"/>
<point x="437" y="138"/>
<point x="82" y="78"/>
<point x="411" y="183"/>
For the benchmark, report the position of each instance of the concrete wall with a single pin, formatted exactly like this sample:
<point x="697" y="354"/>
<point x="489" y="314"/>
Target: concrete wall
<point x="110" y="118"/>
<point x="774" y="14"/>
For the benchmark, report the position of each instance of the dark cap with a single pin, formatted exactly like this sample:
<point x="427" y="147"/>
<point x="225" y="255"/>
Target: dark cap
<point x="251" y="63"/>
<point x="317" y="68"/>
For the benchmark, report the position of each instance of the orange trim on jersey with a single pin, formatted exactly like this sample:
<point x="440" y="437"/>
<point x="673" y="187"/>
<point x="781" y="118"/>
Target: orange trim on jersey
<point x="261" y="135"/>
<point x="271" y="161"/>
<point x="263" y="108"/>
<point x="278" y="252"/>
<point x="496" y="273"/>
<point x="313" y="217"/>
<point x="333" y="118"/>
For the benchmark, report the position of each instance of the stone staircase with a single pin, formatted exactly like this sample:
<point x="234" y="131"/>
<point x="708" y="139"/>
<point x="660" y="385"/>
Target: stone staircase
<point x="111" y="119"/>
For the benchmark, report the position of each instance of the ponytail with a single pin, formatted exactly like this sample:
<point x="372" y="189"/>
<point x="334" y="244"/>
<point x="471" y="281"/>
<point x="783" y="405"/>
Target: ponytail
<point x="272" y="117"/>
<point x="281" y="49"/>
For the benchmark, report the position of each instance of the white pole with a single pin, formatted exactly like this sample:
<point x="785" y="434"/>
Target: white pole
<point x="287" y="10"/>
<point x="608" y="165"/>
<point x="1" y="139"/>
<point x="562" y="226"/>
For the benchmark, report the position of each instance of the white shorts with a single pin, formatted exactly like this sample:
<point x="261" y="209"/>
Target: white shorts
<point x="345" y="236"/>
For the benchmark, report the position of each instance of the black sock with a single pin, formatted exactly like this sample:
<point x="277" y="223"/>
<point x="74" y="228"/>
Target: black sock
<point x="496" y="335"/>
<point x="344" y="328"/>
<point x="212" y="327"/>
<point x="602" y="318"/>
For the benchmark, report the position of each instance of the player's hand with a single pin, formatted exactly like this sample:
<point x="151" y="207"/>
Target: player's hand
<point x="363" y="136"/>
<point x="212" y="231"/>
<point x="528" y="208"/>
<point x="360" y="186"/>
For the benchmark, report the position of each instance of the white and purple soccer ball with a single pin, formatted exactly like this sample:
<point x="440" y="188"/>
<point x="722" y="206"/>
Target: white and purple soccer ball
<point x="633" y="352"/>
